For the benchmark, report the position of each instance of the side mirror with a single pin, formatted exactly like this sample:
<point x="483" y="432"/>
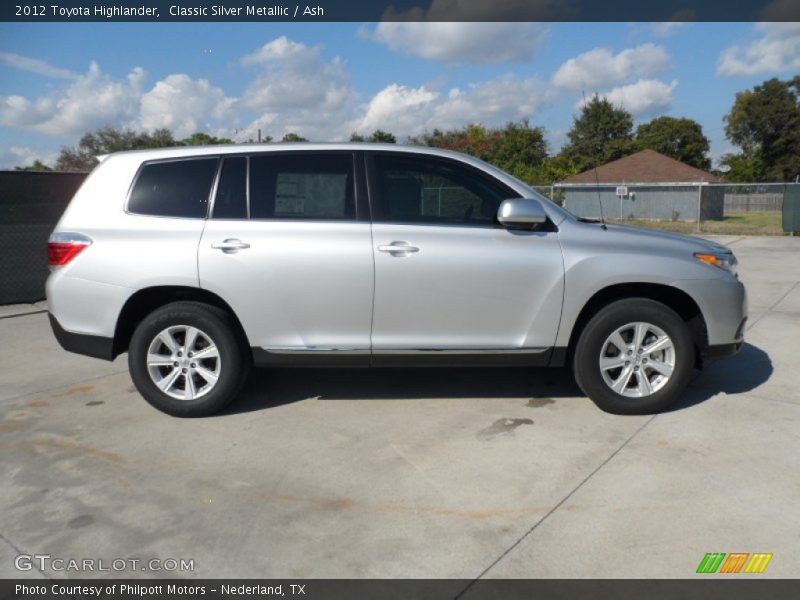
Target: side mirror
<point x="521" y="212"/>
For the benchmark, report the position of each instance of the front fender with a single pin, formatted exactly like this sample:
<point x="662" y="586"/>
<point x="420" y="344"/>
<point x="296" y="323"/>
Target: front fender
<point x="587" y="275"/>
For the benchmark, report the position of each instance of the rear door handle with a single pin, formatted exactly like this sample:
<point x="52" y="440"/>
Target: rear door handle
<point x="230" y="245"/>
<point x="398" y="248"/>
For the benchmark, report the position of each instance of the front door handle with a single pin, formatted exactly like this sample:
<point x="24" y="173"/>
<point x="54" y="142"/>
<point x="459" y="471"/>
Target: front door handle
<point x="398" y="248"/>
<point x="230" y="245"/>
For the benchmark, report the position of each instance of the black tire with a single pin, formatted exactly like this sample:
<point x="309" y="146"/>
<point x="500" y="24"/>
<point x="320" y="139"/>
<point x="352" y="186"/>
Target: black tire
<point x="586" y="359"/>
<point x="215" y="322"/>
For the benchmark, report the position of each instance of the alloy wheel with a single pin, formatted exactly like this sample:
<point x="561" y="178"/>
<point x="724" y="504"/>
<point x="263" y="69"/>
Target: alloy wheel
<point x="637" y="360"/>
<point x="183" y="362"/>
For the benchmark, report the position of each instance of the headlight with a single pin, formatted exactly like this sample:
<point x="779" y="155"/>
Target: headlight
<point x="722" y="260"/>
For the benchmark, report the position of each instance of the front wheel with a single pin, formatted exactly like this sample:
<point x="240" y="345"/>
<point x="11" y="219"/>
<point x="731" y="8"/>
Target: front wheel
<point x="634" y="356"/>
<point x="185" y="360"/>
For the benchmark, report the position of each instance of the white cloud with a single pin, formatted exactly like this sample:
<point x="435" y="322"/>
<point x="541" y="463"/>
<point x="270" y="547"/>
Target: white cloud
<point x="600" y="68"/>
<point x="281" y="48"/>
<point x="293" y="87"/>
<point x="476" y="43"/>
<point x="297" y="90"/>
<point x="643" y="98"/>
<point x="666" y="29"/>
<point x="409" y="111"/>
<point x="95" y="100"/>
<point x="91" y="101"/>
<point x="493" y="102"/>
<point x="35" y="65"/>
<point x="404" y="107"/>
<point x="17" y="156"/>
<point x="777" y="51"/>
<point x="185" y="105"/>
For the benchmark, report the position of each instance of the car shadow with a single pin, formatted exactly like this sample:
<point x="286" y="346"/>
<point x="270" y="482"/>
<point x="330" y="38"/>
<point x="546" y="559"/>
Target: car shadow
<point x="269" y="388"/>
<point x="738" y="374"/>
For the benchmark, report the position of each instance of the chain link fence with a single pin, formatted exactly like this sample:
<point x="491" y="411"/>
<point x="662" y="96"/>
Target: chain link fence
<point x="685" y="207"/>
<point x="30" y="205"/>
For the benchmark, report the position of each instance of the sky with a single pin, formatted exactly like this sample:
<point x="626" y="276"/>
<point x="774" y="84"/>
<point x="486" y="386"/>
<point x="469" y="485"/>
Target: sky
<point x="328" y="80"/>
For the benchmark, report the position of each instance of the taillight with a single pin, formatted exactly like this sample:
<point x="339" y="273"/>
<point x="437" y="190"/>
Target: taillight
<point x="63" y="247"/>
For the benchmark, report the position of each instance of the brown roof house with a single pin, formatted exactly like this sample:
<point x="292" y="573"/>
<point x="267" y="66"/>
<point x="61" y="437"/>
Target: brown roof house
<point x="645" y="185"/>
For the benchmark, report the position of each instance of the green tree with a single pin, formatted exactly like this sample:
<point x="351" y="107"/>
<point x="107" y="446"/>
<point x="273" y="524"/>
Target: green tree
<point x="601" y="133"/>
<point x="682" y="139"/>
<point x="474" y="139"/>
<point x="36" y="166"/>
<point x="517" y="148"/>
<point x="110" y="139"/>
<point x="378" y="136"/>
<point x="552" y="169"/>
<point x="741" y="168"/>
<point x="426" y="138"/>
<point x="203" y="139"/>
<point x="765" y="123"/>
<point x="293" y="137"/>
<point x="383" y="137"/>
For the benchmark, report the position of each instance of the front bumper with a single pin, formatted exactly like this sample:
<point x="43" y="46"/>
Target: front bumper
<point x="724" y="350"/>
<point x="723" y="303"/>
<point x="721" y="351"/>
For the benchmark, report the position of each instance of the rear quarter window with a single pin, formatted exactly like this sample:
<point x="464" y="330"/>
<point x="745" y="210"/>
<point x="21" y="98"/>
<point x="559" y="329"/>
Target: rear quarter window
<point x="177" y="188"/>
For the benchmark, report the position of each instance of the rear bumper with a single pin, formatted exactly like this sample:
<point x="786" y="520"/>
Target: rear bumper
<point x="89" y="345"/>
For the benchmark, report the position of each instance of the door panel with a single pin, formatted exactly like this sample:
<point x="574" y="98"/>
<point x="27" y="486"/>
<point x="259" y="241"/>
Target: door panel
<point x="447" y="276"/>
<point x="288" y="254"/>
<point x="466" y="287"/>
<point x="298" y="285"/>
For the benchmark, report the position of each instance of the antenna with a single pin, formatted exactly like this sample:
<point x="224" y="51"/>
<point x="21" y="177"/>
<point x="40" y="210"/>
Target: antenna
<point x="597" y="182"/>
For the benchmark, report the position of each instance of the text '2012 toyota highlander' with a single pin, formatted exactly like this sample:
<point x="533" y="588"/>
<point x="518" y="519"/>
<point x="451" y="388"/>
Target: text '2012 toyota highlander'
<point x="202" y="261"/>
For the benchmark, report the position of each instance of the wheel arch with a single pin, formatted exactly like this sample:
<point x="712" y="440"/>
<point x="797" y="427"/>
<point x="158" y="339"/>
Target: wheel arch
<point x="146" y="300"/>
<point x="678" y="300"/>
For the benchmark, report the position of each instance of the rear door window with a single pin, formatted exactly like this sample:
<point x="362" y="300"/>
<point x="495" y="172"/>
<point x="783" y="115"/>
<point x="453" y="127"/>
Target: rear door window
<point x="302" y="186"/>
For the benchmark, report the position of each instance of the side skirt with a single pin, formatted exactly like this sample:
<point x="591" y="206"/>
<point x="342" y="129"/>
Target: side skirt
<point x="516" y="357"/>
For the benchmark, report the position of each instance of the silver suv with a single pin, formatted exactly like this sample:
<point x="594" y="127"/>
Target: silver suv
<point x="200" y="262"/>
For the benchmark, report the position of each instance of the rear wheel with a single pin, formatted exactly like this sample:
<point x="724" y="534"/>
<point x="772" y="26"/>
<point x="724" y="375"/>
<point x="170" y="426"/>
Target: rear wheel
<point x="634" y="356"/>
<point x="185" y="360"/>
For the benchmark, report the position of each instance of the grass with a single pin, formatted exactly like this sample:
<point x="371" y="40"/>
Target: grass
<point x="735" y="223"/>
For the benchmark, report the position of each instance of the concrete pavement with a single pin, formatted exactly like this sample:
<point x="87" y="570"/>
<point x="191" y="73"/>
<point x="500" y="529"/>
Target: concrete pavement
<point x="445" y="473"/>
